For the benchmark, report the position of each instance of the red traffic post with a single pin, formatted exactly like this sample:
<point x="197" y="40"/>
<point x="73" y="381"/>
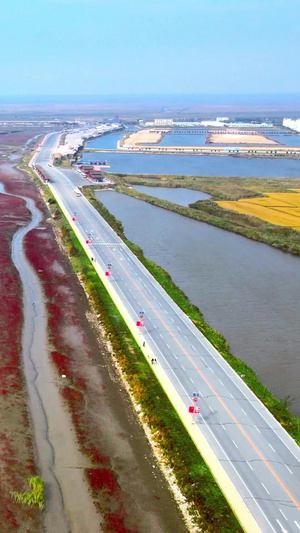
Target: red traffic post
<point x="139" y="323"/>
<point x="194" y="411"/>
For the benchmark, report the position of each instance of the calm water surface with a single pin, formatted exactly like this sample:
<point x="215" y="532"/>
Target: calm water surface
<point x="288" y="140"/>
<point x="183" y="140"/>
<point x="108" y="142"/>
<point x="177" y="196"/>
<point x="246" y="290"/>
<point x="203" y="165"/>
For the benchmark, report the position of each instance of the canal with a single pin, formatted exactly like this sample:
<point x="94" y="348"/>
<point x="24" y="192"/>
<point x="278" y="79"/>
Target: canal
<point x="246" y="290"/>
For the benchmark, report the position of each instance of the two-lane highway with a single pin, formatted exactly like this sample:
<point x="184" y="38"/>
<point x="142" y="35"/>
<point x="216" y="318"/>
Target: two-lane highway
<point x="259" y="457"/>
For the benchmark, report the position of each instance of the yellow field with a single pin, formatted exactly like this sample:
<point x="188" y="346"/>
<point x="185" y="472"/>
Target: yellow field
<point x="282" y="209"/>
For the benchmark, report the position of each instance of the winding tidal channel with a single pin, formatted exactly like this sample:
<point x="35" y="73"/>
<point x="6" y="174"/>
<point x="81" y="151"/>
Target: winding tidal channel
<point x="69" y="504"/>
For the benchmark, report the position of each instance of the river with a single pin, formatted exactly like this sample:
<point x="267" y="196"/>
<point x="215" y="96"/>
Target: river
<point x="246" y="290"/>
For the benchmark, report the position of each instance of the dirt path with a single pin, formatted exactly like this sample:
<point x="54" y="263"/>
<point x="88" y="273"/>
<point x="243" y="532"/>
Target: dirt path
<point x="69" y="505"/>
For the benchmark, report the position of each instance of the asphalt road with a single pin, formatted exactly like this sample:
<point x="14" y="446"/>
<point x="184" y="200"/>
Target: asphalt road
<point x="261" y="459"/>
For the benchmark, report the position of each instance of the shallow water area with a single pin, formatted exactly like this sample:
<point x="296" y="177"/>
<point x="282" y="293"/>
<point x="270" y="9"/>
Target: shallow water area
<point x="178" y="196"/>
<point x="246" y="290"/>
<point x="197" y="165"/>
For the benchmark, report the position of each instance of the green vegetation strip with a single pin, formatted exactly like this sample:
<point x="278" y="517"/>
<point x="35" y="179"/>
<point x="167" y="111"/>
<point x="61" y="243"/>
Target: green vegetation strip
<point x="34" y="497"/>
<point x="287" y="239"/>
<point x="207" y="504"/>
<point x="279" y="408"/>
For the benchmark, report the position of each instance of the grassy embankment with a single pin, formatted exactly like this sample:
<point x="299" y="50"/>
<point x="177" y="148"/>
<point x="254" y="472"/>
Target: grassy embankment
<point x="277" y="407"/>
<point x="285" y="238"/>
<point x="207" y="504"/>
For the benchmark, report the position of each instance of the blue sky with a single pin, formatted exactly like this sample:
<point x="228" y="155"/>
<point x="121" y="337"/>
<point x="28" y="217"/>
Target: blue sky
<point x="60" y="47"/>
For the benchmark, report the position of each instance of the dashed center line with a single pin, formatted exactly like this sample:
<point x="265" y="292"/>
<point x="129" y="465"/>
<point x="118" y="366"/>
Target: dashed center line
<point x="249" y="465"/>
<point x="282" y="514"/>
<point x="235" y="444"/>
<point x="265" y="488"/>
<point x="271" y="447"/>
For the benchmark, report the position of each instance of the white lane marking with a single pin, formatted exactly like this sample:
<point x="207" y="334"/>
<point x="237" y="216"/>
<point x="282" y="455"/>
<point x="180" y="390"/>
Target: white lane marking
<point x="271" y="447"/>
<point x="244" y="483"/>
<point x="161" y="336"/>
<point x="155" y="327"/>
<point x="249" y="465"/>
<point x="166" y="312"/>
<point x="243" y="411"/>
<point x="231" y="395"/>
<point x="223" y="427"/>
<point x="281" y="527"/>
<point x="191" y="380"/>
<point x="172" y="319"/>
<point x="221" y="382"/>
<point x="286" y="466"/>
<point x="265" y="488"/>
<point x="175" y="356"/>
<point x="193" y="348"/>
<point x="257" y="429"/>
<point x="211" y="369"/>
<point x="297" y="524"/>
<point x="178" y="328"/>
<point x="283" y="514"/>
<point x="211" y="409"/>
<point x="201" y="394"/>
<point x="168" y="346"/>
<point x="185" y="337"/>
<point x="235" y="444"/>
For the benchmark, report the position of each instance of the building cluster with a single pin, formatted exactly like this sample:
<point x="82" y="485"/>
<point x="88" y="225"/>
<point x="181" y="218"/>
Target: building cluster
<point x="41" y="173"/>
<point x="93" y="173"/>
<point x="292" y="124"/>
<point x="219" y="122"/>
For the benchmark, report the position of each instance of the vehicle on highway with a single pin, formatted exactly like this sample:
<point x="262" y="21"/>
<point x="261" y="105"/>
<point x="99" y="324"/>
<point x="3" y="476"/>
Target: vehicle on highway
<point x="77" y="192"/>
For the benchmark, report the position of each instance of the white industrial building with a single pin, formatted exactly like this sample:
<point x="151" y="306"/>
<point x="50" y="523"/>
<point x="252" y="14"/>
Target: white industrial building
<point x="292" y="124"/>
<point x="163" y="122"/>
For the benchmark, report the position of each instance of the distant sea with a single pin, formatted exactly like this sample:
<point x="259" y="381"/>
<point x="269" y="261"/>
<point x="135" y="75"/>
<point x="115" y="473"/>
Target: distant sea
<point x="181" y="105"/>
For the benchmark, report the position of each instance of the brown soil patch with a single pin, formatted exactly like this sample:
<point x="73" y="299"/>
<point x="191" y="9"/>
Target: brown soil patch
<point x="238" y="138"/>
<point x="145" y="136"/>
